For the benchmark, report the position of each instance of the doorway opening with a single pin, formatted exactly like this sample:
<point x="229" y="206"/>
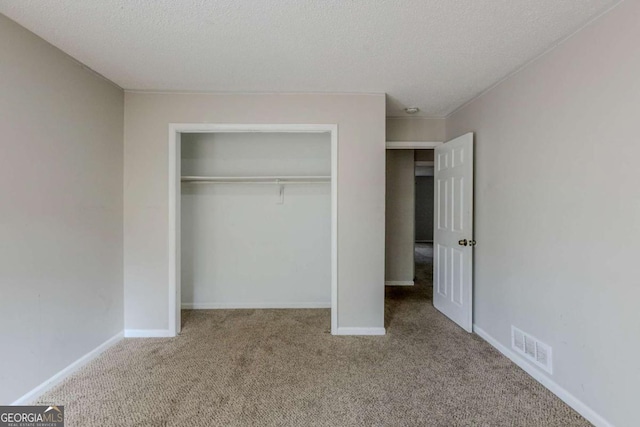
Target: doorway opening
<point x="419" y="173"/>
<point x="423" y="214"/>
<point x="409" y="216"/>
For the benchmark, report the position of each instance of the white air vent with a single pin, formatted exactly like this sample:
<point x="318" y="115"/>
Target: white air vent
<point x="532" y="349"/>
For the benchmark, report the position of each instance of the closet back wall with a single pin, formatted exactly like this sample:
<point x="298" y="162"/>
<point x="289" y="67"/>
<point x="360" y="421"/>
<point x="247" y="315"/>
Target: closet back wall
<point x="241" y="248"/>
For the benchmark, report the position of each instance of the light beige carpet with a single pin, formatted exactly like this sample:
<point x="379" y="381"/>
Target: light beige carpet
<point x="283" y="368"/>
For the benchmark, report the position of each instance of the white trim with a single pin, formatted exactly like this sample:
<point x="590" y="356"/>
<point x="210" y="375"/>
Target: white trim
<point x="148" y="333"/>
<point x="412" y="145"/>
<point x="175" y="130"/>
<point x="360" y="331"/>
<point x="233" y="92"/>
<point x="174" y="229"/>
<point x="334" y="229"/>
<point x="63" y="374"/>
<point x="579" y="406"/>
<point x="399" y="283"/>
<point x="244" y="128"/>
<point x="256" y="306"/>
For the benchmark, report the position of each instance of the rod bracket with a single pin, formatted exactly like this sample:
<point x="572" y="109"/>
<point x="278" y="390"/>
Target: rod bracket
<point x="281" y="192"/>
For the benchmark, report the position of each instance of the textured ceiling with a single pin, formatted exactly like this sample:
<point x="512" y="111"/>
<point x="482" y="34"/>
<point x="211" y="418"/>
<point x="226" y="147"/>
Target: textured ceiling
<point x="434" y="54"/>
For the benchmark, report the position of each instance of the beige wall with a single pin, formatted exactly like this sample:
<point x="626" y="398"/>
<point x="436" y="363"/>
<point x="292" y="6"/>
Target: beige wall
<point x="361" y="182"/>
<point x="415" y="129"/>
<point x="424" y="208"/>
<point x="424" y="155"/>
<point x="60" y="211"/>
<point x="558" y="211"/>
<point x="400" y="221"/>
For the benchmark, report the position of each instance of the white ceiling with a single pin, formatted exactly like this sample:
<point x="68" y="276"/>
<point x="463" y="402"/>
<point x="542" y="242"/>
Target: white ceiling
<point x="434" y="54"/>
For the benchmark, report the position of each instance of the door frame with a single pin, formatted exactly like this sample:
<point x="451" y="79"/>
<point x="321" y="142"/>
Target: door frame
<point x="174" y="154"/>
<point x="412" y="145"/>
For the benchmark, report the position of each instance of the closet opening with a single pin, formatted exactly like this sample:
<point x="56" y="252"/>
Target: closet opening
<point x="252" y="218"/>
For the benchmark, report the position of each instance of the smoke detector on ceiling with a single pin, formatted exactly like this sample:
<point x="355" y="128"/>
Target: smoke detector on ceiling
<point x="411" y="110"/>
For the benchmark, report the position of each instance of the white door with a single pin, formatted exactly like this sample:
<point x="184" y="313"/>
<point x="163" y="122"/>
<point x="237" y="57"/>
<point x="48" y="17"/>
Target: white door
<point x="453" y="230"/>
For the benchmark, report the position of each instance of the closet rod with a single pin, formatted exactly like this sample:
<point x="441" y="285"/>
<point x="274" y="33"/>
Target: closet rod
<point x="257" y="179"/>
<point x="256" y="182"/>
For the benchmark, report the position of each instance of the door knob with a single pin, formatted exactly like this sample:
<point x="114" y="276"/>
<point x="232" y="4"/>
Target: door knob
<point x="463" y="242"/>
<point x="472" y="243"/>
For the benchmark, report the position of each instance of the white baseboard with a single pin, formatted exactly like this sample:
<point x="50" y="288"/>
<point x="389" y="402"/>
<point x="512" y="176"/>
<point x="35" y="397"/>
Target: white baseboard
<point x="399" y="283"/>
<point x="360" y="331"/>
<point x="229" y="306"/>
<point x="579" y="406"/>
<point x="148" y="333"/>
<point x="60" y="376"/>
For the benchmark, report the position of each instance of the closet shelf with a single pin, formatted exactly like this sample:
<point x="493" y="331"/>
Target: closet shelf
<point x="256" y="179"/>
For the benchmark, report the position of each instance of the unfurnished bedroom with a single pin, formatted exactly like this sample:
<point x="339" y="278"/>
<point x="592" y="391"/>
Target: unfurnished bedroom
<point x="319" y="213"/>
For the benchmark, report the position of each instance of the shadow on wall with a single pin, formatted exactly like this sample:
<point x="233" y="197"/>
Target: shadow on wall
<point x="424" y="208"/>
